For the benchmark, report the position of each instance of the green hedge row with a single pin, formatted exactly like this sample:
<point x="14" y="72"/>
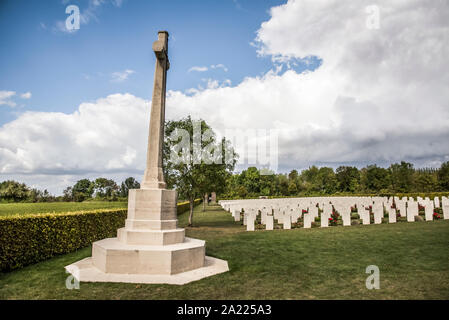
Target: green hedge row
<point x="27" y="239"/>
<point x="33" y="238"/>
<point x="185" y="206"/>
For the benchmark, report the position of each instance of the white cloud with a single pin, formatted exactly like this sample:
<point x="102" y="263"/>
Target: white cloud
<point x="26" y="95"/>
<point x="105" y="136"/>
<point x="198" y="69"/>
<point x="219" y="66"/>
<point x="5" y="98"/>
<point x="121" y="76"/>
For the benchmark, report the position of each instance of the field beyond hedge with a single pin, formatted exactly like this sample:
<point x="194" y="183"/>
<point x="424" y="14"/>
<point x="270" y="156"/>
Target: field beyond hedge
<point x="8" y="209"/>
<point x="281" y="264"/>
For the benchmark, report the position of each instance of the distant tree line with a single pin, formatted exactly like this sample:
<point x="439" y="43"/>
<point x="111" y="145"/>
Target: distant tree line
<point x="397" y="178"/>
<point x="84" y="189"/>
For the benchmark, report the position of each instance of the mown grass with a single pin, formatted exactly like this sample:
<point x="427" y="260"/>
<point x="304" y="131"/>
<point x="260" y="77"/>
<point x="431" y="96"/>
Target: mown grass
<point x="316" y="263"/>
<point x="8" y="209"/>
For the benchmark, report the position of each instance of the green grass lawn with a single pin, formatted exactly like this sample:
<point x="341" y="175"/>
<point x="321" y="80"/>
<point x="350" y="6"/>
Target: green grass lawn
<point x="316" y="263"/>
<point x="7" y="209"/>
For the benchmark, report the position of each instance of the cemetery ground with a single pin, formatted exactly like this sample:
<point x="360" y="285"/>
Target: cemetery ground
<point x="316" y="263"/>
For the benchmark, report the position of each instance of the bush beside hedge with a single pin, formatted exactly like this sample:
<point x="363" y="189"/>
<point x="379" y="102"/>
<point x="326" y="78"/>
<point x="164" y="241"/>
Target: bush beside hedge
<point x="27" y="239"/>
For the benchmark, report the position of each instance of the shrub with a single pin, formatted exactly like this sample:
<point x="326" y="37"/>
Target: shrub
<point x="27" y="239"/>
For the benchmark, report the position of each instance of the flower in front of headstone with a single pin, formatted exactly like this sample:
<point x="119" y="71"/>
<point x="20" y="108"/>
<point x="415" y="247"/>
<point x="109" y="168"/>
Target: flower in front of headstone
<point x="334" y="218"/>
<point x="421" y="208"/>
<point x="304" y="211"/>
<point x="436" y="216"/>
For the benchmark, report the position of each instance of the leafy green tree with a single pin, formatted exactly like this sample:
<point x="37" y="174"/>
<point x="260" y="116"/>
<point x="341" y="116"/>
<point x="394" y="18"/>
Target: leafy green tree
<point x="105" y="188"/>
<point x="292" y="188"/>
<point x="425" y="181"/>
<point x="348" y="178"/>
<point x="443" y="176"/>
<point x="129" y="183"/>
<point x="251" y="180"/>
<point x="293" y="176"/>
<point x="401" y="176"/>
<point x="327" y="181"/>
<point x="11" y="190"/>
<point x="192" y="174"/>
<point x="282" y="185"/>
<point x="375" y="179"/>
<point x="82" y="190"/>
<point x="67" y="194"/>
<point x="267" y="184"/>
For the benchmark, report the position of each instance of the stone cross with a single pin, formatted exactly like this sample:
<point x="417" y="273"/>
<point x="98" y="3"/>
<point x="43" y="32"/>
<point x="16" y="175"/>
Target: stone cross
<point x="154" y="177"/>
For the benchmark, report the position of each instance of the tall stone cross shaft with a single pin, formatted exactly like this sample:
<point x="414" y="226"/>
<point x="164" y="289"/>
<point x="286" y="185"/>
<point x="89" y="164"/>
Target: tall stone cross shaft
<point x="154" y="177"/>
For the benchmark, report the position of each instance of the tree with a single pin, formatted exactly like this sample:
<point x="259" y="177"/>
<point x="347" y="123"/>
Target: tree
<point x="129" y="183"/>
<point x="195" y="166"/>
<point x="348" y="178"/>
<point x="82" y="190"/>
<point x="425" y="181"/>
<point x="11" y="190"/>
<point x="251" y="180"/>
<point x="105" y="188"/>
<point x="282" y="184"/>
<point x="401" y="176"/>
<point x="375" y="178"/>
<point x="67" y="194"/>
<point x="292" y="188"/>
<point x="443" y="176"/>
<point x="327" y="181"/>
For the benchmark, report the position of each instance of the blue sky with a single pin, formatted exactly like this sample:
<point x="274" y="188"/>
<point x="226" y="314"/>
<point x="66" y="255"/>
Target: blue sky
<point x="61" y="70"/>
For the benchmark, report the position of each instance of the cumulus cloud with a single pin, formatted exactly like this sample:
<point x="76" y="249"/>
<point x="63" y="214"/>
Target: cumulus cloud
<point x="26" y="95"/>
<point x="219" y="66"/>
<point x="121" y="76"/>
<point x="204" y="68"/>
<point x="105" y="136"/>
<point x="5" y="98"/>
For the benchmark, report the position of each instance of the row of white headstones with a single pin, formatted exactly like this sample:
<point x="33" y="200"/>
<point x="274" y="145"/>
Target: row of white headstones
<point x="288" y="210"/>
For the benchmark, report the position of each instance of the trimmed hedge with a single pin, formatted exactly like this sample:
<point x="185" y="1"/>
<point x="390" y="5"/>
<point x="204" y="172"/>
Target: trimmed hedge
<point x="185" y="206"/>
<point x="27" y="239"/>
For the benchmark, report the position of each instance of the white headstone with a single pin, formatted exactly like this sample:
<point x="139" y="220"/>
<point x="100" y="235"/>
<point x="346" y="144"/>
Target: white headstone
<point x="428" y="210"/>
<point x="269" y="222"/>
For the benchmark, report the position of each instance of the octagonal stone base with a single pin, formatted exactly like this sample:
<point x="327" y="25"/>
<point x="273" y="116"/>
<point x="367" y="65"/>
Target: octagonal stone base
<point x="113" y="256"/>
